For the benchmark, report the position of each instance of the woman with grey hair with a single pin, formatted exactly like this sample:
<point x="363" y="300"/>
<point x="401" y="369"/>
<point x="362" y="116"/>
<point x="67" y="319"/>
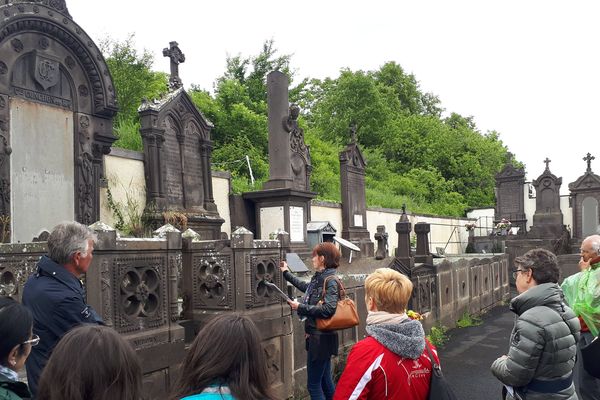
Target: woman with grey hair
<point x="541" y="357"/>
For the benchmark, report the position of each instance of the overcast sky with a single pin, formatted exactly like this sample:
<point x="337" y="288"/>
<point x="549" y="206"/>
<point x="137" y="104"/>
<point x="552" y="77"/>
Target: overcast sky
<point x="527" y="69"/>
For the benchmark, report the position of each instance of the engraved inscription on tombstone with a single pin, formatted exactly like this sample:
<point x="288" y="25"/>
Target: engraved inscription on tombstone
<point x="296" y="224"/>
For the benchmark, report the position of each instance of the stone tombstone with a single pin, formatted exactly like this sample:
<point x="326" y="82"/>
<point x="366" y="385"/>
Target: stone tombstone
<point x="548" y="218"/>
<point x="57" y="102"/>
<point x="585" y="196"/>
<point x="510" y="202"/>
<point x="284" y="202"/>
<point x="177" y="153"/>
<point x="354" y="203"/>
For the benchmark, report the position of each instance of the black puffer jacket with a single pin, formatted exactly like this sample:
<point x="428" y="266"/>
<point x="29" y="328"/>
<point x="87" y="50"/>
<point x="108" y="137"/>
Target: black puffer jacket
<point x="311" y="309"/>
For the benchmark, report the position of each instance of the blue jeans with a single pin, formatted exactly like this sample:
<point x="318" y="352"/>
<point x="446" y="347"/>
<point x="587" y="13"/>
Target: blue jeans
<point x="320" y="385"/>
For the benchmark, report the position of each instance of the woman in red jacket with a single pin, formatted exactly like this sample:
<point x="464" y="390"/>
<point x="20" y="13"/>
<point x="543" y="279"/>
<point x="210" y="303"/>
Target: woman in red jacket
<point x="392" y="361"/>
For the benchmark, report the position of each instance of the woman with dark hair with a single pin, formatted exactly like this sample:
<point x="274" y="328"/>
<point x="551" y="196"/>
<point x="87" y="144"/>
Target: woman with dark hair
<point x="320" y="345"/>
<point x="16" y="340"/>
<point x="225" y="362"/>
<point x="540" y="360"/>
<point x="91" y="362"/>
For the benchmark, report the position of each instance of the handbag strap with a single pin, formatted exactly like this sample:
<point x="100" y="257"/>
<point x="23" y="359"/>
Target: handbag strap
<point x="434" y="364"/>
<point x="342" y="294"/>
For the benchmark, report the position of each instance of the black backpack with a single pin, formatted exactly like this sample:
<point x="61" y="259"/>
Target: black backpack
<point x="439" y="389"/>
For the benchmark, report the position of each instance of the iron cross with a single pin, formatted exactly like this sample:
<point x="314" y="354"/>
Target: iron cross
<point x="589" y="159"/>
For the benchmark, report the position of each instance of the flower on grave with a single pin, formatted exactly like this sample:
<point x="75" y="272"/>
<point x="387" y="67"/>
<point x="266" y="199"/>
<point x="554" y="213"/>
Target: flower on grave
<point x="414" y="315"/>
<point x="504" y="224"/>
<point x="470" y="226"/>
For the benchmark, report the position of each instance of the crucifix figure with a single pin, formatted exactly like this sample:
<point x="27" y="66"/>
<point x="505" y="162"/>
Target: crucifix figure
<point x="589" y="159"/>
<point x="547" y="161"/>
<point x="177" y="57"/>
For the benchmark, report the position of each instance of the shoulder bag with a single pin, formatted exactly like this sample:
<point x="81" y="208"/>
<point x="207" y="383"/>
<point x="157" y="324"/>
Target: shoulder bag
<point x="590" y="354"/>
<point x="345" y="315"/>
<point x="439" y="389"/>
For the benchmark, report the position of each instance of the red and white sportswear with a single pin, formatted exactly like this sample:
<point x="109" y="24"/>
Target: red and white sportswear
<point x="373" y="372"/>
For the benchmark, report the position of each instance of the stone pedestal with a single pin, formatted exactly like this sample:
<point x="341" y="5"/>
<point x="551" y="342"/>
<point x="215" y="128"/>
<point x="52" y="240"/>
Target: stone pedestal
<point x="283" y="209"/>
<point x="423" y="254"/>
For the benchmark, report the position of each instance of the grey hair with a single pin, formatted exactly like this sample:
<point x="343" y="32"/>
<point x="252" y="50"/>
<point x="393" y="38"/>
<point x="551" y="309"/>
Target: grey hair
<point x="595" y="243"/>
<point x="68" y="238"/>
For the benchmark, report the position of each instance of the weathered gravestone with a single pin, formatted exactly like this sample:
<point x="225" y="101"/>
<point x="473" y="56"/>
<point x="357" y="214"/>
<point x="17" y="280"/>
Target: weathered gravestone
<point x="57" y="102"/>
<point x="585" y="195"/>
<point x="548" y="218"/>
<point x="177" y="154"/>
<point x="510" y="201"/>
<point x="354" y="203"/>
<point x="284" y="202"/>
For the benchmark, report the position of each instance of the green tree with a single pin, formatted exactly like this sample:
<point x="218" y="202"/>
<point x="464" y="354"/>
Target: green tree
<point x="134" y="80"/>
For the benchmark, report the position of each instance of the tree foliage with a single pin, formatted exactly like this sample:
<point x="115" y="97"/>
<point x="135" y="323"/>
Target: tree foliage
<point x="415" y="156"/>
<point x="134" y="80"/>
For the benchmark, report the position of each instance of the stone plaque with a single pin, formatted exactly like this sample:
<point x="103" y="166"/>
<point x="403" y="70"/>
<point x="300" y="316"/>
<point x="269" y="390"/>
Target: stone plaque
<point x="271" y="219"/>
<point x="296" y="224"/>
<point x="358" y="220"/>
<point x="42" y="168"/>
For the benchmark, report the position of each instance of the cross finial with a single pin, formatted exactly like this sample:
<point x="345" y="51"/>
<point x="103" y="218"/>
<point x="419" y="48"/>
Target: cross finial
<point x="403" y="217"/>
<point x="353" y="129"/>
<point x="589" y="159"/>
<point x="547" y="161"/>
<point x="177" y="57"/>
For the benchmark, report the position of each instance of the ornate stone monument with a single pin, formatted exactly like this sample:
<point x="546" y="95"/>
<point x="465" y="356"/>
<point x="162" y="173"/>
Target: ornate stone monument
<point x="585" y="196"/>
<point x="354" y="203"/>
<point x="510" y="201"/>
<point x="284" y="202"/>
<point x="57" y="101"/>
<point x="177" y="154"/>
<point x="548" y="218"/>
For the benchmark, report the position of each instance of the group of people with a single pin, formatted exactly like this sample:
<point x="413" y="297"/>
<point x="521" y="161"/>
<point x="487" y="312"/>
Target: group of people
<point x="70" y="355"/>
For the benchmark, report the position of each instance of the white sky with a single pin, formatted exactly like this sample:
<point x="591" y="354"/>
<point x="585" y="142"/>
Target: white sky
<point x="528" y="69"/>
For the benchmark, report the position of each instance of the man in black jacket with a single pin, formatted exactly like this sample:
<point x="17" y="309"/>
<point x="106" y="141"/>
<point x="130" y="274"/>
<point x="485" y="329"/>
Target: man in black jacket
<point x="55" y="295"/>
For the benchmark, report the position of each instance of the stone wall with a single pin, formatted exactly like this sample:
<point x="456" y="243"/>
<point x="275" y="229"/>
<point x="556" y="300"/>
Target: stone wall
<point x="125" y="173"/>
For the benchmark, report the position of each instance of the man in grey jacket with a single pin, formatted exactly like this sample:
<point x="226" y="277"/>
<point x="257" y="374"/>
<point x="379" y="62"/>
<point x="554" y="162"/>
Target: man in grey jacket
<point x="543" y="342"/>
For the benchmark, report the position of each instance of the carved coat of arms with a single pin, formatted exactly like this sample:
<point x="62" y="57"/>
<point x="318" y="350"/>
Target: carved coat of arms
<point x="46" y="71"/>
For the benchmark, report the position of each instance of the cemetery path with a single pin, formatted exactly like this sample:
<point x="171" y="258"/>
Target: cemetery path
<point x="467" y="357"/>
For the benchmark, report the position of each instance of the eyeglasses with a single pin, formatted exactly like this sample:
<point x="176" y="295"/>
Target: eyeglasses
<point x="516" y="272"/>
<point x="34" y="341"/>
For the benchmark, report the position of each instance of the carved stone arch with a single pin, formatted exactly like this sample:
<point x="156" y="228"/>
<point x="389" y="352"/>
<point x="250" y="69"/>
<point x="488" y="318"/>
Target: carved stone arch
<point x="193" y="128"/>
<point x="45" y="21"/>
<point x="50" y="66"/>
<point x="172" y="121"/>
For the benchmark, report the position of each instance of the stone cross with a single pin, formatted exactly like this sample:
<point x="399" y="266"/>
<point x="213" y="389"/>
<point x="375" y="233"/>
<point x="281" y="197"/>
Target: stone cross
<point x="353" y="129"/>
<point x="547" y="161"/>
<point x="177" y="57"/>
<point x="589" y="159"/>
